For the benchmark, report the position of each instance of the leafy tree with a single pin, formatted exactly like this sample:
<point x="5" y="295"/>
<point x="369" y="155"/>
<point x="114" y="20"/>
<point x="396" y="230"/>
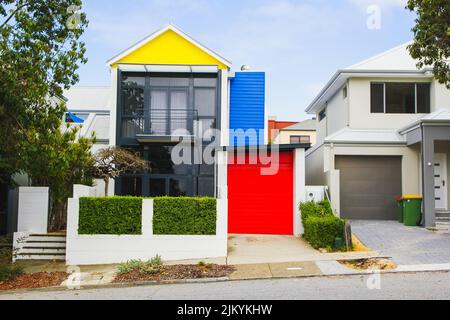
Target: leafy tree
<point x="39" y="55"/>
<point x="112" y="162"/>
<point x="431" y="46"/>
<point x="58" y="158"/>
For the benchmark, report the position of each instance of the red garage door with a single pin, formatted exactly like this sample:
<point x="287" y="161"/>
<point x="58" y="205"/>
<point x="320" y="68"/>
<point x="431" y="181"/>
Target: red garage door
<point x="261" y="204"/>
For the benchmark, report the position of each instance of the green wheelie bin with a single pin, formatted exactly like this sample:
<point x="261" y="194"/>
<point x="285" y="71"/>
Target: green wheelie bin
<point x="412" y="210"/>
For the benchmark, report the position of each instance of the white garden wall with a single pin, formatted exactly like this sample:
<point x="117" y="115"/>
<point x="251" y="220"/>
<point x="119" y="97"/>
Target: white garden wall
<point x="33" y="209"/>
<point x="106" y="249"/>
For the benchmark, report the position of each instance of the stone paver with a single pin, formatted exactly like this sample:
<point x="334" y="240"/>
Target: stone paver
<point x="294" y="269"/>
<point x="405" y="245"/>
<point x="251" y="271"/>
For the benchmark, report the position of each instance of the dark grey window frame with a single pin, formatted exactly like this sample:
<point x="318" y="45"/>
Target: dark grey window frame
<point x="194" y="172"/>
<point x="415" y="96"/>
<point x="322" y="114"/>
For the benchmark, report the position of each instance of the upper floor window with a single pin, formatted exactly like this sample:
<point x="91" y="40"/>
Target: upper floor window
<point x="344" y="92"/>
<point x="300" y="139"/>
<point x="400" y="97"/>
<point x="72" y="117"/>
<point x="322" y="114"/>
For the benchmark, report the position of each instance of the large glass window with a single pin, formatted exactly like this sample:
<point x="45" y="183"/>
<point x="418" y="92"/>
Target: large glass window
<point x="423" y="98"/>
<point x="133" y="101"/>
<point x="131" y="186"/>
<point x="205" y="102"/>
<point x="164" y="103"/>
<point x="178" y="187"/>
<point x="161" y="161"/>
<point x="159" y="113"/>
<point x="400" y="97"/>
<point x="377" y="97"/>
<point x="157" y="187"/>
<point x="169" y="81"/>
<point x="205" y="186"/>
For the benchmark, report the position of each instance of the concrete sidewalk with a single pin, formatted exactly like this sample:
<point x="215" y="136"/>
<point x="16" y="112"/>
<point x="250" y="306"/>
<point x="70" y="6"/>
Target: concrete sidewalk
<point x="90" y="277"/>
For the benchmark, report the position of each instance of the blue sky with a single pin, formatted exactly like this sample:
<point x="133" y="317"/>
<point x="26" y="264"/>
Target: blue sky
<point x="300" y="44"/>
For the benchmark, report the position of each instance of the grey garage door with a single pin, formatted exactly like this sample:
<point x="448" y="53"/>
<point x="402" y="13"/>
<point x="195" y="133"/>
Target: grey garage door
<point x="369" y="186"/>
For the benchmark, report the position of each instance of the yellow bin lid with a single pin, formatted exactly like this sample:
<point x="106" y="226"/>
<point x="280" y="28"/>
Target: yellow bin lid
<point x="412" y="196"/>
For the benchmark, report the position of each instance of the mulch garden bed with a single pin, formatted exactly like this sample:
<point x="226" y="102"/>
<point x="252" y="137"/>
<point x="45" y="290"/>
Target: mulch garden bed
<point x="177" y="272"/>
<point x="34" y="280"/>
<point x="368" y="264"/>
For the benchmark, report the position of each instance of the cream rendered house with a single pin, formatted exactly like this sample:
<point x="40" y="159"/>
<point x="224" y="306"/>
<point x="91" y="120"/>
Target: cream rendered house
<point x="301" y="132"/>
<point x="383" y="130"/>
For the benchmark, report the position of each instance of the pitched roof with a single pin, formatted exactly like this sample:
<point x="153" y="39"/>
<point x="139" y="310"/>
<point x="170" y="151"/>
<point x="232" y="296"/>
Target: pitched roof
<point x="439" y="116"/>
<point x="397" y="58"/>
<point x="307" y="125"/>
<point x="152" y="36"/>
<point x="395" y="63"/>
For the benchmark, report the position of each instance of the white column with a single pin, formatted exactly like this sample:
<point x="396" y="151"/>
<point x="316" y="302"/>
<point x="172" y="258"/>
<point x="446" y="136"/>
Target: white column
<point x="299" y="188"/>
<point x="222" y="174"/>
<point x="224" y="109"/>
<point x="147" y="217"/>
<point x="73" y="206"/>
<point x="113" y="103"/>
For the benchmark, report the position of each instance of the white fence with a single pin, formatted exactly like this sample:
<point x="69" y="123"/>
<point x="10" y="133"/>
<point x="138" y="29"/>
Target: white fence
<point x="105" y="249"/>
<point x="33" y="209"/>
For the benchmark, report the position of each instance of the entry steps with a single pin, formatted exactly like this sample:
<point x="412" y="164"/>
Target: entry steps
<point x="51" y="246"/>
<point x="443" y="222"/>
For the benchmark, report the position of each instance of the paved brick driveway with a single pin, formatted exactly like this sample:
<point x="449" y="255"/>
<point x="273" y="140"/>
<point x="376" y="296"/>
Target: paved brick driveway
<point x="405" y="245"/>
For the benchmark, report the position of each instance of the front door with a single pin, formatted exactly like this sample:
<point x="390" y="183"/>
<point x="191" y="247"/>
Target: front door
<point x="440" y="180"/>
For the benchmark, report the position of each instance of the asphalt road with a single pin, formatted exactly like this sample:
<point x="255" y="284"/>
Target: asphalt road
<point x="421" y="286"/>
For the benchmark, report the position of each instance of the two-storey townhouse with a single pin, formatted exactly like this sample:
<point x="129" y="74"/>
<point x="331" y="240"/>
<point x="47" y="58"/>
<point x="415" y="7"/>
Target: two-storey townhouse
<point x="171" y="99"/>
<point x="383" y="130"/>
<point x="165" y="89"/>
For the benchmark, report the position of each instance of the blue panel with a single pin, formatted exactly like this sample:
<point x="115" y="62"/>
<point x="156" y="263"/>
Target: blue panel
<point x="247" y="95"/>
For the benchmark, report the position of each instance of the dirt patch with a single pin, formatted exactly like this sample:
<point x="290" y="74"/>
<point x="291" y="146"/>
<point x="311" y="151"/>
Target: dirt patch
<point x="34" y="280"/>
<point x="369" y="264"/>
<point x="176" y="272"/>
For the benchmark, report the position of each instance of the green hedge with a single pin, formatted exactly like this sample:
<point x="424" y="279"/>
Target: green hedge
<point x="110" y="215"/>
<point x="321" y="231"/>
<point x="321" y="226"/>
<point x="184" y="216"/>
<point x="311" y="208"/>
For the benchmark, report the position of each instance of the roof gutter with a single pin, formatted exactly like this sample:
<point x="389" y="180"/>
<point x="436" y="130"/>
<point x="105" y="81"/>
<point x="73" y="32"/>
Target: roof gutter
<point x="359" y="73"/>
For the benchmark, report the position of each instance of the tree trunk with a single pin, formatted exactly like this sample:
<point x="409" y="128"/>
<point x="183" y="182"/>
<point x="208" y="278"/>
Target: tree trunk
<point x="106" y="180"/>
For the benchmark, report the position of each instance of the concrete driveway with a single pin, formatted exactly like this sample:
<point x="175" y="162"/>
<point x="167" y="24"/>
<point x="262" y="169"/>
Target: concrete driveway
<point x="254" y="249"/>
<point x="405" y="245"/>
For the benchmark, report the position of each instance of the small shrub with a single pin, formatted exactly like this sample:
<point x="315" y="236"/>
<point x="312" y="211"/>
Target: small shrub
<point x="151" y="266"/>
<point x="311" y="208"/>
<point x="6" y="255"/>
<point x="184" y="216"/>
<point x="110" y="215"/>
<point x="9" y="272"/>
<point x="129" y="266"/>
<point x="321" y="231"/>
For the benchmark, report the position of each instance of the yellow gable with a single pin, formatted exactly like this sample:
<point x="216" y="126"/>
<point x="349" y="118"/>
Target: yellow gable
<point x="170" y="48"/>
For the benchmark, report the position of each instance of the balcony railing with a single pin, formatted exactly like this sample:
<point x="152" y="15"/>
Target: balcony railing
<point x="158" y="122"/>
